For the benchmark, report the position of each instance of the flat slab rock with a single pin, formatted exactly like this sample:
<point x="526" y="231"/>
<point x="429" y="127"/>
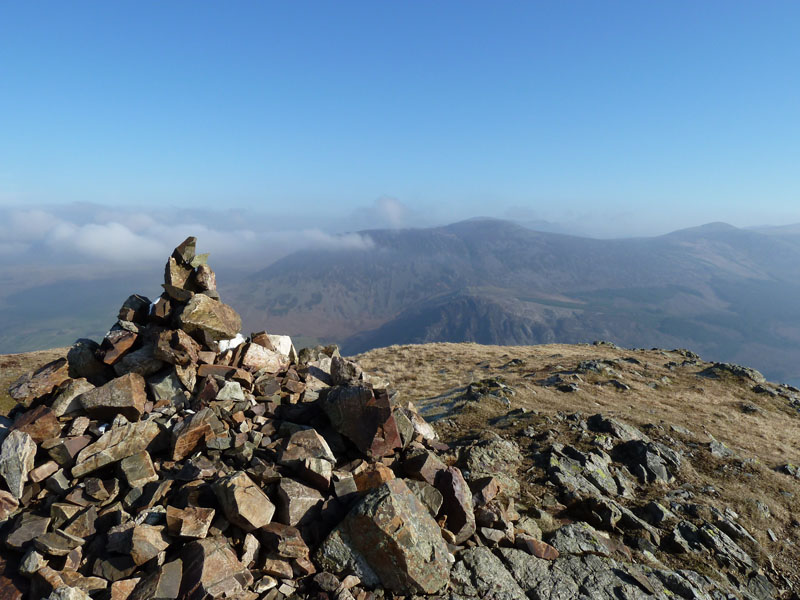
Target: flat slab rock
<point x="389" y="539"/>
<point x="124" y="396"/>
<point x="114" y="445"/>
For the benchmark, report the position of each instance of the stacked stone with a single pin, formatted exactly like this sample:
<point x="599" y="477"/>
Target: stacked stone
<point x="177" y="459"/>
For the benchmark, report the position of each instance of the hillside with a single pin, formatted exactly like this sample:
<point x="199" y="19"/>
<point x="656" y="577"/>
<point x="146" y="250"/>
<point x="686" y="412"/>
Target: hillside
<point x="724" y="292"/>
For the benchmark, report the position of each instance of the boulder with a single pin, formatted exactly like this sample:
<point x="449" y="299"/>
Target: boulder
<point x="389" y="538"/>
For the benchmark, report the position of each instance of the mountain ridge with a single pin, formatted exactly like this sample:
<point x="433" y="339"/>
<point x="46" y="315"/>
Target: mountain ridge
<point x="710" y="288"/>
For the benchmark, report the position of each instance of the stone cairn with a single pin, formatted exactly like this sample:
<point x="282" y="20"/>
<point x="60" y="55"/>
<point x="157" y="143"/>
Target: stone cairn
<point x="177" y="459"/>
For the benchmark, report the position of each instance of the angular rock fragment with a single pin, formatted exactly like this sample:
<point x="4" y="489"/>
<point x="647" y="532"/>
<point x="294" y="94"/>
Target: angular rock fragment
<point x="191" y="522"/>
<point x="68" y="593"/>
<point x="64" y="450"/>
<point x="364" y="417"/>
<point x="116" y="344"/>
<point x="27" y="527"/>
<point x="389" y="539"/>
<point x="298" y="504"/>
<point x="480" y="573"/>
<point x="114" y="445"/>
<point x="67" y="397"/>
<point x="166" y="388"/>
<point x="8" y="505"/>
<point x="537" y="548"/>
<point x="39" y="383"/>
<point x="84" y="364"/>
<point x="147" y="542"/>
<point x="40" y="423"/>
<point x="135" y="309"/>
<point x="205" y="278"/>
<point x="373" y="476"/>
<point x="138" y="469"/>
<point x="124" y="396"/>
<point x="212" y="570"/>
<point x="176" y="347"/>
<point x="303" y="444"/>
<point x="457" y="504"/>
<point x="345" y="372"/>
<point x="16" y="461"/>
<point x="141" y="361"/>
<point x="257" y="358"/>
<point x="283" y="540"/>
<point x="57" y="543"/>
<point x="192" y="432"/>
<point x="163" y="584"/>
<point x="243" y="502"/>
<point x="428" y="495"/>
<point x="205" y="318"/>
<point x="423" y="466"/>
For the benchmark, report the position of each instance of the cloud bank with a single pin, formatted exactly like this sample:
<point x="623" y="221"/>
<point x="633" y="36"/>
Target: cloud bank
<point x="84" y="233"/>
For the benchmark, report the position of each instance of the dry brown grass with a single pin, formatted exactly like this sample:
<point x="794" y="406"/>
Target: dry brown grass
<point x="701" y="404"/>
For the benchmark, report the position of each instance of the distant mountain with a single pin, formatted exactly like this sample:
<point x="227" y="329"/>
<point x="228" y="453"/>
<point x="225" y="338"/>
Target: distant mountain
<point x="727" y="293"/>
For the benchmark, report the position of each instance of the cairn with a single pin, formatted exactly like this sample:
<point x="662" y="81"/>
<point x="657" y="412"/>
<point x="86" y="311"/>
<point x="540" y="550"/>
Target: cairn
<point x="177" y="459"/>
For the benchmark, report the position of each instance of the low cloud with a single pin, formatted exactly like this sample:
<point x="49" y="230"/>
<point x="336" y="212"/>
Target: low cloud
<point x="84" y="233"/>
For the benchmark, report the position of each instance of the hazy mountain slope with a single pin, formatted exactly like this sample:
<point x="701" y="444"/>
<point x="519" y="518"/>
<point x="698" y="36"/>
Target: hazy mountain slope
<point x="723" y="291"/>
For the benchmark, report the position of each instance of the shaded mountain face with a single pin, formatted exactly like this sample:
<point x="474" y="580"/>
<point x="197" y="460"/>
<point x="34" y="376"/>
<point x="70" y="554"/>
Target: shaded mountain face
<point x="727" y="293"/>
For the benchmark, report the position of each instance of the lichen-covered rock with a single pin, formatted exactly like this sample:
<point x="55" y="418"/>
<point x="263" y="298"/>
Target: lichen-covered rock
<point x="205" y="318"/>
<point x="389" y="539"/>
<point x="479" y="573"/>
<point x="16" y="461"/>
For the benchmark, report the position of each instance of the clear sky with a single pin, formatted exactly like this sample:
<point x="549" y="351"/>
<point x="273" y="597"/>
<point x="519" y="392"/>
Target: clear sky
<point x="648" y="115"/>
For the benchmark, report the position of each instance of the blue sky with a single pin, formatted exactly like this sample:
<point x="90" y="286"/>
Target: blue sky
<point x="629" y="117"/>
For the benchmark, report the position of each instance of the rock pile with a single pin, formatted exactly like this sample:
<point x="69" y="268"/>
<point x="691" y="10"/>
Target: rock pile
<point x="176" y="459"/>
